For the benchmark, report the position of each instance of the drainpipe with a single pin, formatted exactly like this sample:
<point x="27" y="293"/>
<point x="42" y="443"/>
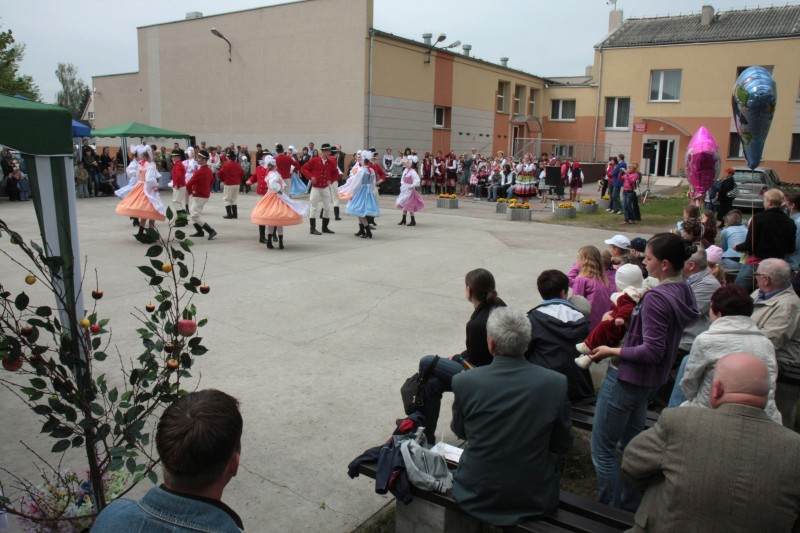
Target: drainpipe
<point x="597" y="110"/>
<point x="369" y="97"/>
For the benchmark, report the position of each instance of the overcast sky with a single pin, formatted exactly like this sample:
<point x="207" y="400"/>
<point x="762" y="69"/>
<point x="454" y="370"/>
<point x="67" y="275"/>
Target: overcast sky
<point x="543" y="37"/>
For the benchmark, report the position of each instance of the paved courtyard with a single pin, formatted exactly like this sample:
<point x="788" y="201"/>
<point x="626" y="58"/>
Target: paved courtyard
<point x="315" y="340"/>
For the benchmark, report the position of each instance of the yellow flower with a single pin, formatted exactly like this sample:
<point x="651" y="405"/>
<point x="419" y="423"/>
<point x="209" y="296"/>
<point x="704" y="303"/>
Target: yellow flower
<point x="606" y="197"/>
<point x="566" y="205"/>
<point x="512" y="201"/>
<point x="589" y="201"/>
<point x="501" y="200"/>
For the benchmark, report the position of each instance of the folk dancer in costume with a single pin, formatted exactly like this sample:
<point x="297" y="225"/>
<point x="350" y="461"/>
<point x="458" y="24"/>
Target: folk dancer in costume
<point x="576" y="178"/>
<point x="191" y="165"/>
<point x="140" y="197"/>
<point x="231" y="175"/>
<point x="451" y="168"/>
<point x="260" y="177"/>
<point x="380" y="177"/>
<point x="527" y="181"/>
<point x="346" y="190"/>
<point x="439" y="173"/>
<point x="178" y="183"/>
<point x="133" y="175"/>
<point x="426" y="174"/>
<point x="286" y="165"/>
<point x="320" y="170"/>
<point x="364" y="204"/>
<point x="199" y="188"/>
<point x="276" y="209"/>
<point x="409" y="199"/>
<point x="334" y="186"/>
<point x="296" y="185"/>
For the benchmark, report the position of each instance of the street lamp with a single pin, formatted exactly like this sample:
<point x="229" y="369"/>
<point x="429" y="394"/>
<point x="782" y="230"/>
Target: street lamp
<point x="442" y="37"/>
<point x="218" y="33"/>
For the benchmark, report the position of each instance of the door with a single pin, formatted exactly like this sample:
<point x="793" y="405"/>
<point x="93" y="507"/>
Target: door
<point x="664" y="161"/>
<point x="515" y="142"/>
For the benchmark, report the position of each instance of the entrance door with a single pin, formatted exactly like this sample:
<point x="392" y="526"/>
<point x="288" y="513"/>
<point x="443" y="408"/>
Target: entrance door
<point x="663" y="163"/>
<point x="515" y="142"/>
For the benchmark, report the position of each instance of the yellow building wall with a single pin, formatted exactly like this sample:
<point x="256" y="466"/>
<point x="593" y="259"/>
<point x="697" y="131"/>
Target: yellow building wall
<point x="400" y="71"/>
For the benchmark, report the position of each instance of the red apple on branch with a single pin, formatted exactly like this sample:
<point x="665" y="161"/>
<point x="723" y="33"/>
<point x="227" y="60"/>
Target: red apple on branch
<point x="12" y="366"/>
<point x="186" y="328"/>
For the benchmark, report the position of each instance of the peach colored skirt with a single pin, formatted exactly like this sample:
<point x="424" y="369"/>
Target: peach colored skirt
<point x="136" y="204"/>
<point x="272" y="211"/>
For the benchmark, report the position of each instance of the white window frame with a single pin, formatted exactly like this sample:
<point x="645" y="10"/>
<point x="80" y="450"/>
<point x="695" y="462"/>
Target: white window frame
<point x="502" y="87"/>
<point x="614" y="125"/>
<point x="560" y="116"/>
<point x="436" y="123"/>
<point x="532" y="102"/>
<point x="91" y="115"/>
<point x="740" y="155"/>
<point x="661" y="72"/>
<point x="519" y="93"/>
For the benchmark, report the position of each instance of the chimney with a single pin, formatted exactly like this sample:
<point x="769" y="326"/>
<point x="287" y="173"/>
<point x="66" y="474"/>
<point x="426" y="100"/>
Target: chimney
<point x="589" y="71"/>
<point x="426" y="38"/>
<point x="503" y="61"/>
<point x="466" y="48"/>
<point x="614" y="20"/>
<point x="194" y="15"/>
<point x="707" y="16"/>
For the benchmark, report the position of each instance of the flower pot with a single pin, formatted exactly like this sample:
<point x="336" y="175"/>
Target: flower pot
<point x="447" y="203"/>
<point x="518" y="214"/>
<point x="587" y="208"/>
<point x="604" y="204"/>
<point x="501" y="208"/>
<point x="565" y="212"/>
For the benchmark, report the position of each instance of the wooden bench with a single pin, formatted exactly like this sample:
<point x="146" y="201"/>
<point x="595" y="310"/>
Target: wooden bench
<point x="582" y="417"/>
<point x="575" y="513"/>
<point x="790" y="375"/>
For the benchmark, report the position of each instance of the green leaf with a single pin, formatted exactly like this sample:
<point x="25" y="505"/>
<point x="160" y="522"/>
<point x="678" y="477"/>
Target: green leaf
<point x="38" y="383"/>
<point x="169" y="217"/>
<point x="187" y="245"/>
<point x="70" y="414"/>
<point x="164" y="306"/>
<point x="61" y="432"/>
<point x="157" y="264"/>
<point x="97" y="409"/>
<point x="156" y="280"/>
<point x="153" y="477"/>
<point x="177" y="254"/>
<point x="43" y="311"/>
<point x="100" y="356"/>
<point x="103" y="322"/>
<point x="43" y="410"/>
<point x="189" y="287"/>
<point x="147" y="271"/>
<point x="199" y="350"/>
<point x="126" y="396"/>
<point x="96" y="341"/>
<point x="112" y="395"/>
<point x="21" y="302"/>
<point x="183" y="270"/>
<point x="202" y="323"/>
<point x="115" y="464"/>
<point x="130" y="464"/>
<point x="77" y="441"/>
<point x="195" y="281"/>
<point x="61" y="446"/>
<point x="154" y="251"/>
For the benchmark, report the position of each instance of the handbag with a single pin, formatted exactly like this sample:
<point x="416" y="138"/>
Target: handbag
<point x="413" y="389"/>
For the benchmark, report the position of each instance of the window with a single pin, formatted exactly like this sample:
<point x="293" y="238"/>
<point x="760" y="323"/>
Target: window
<point x="519" y="94"/>
<point x="91" y="115"/>
<point x="665" y="85"/>
<point x="739" y="70"/>
<point x="439" y="117"/>
<point x="617" y="112"/>
<point x="532" y="103"/>
<point x="562" y="110"/>
<point x="565" y="150"/>
<point x="735" y="150"/>
<point x="502" y="94"/>
<point x="794" y="155"/>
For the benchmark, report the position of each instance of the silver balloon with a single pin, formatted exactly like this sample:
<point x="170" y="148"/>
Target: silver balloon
<point x="754" y="100"/>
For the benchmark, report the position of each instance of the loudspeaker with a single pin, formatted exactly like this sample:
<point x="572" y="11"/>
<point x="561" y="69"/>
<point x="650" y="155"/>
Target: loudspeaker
<point x="192" y="140"/>
<point x="649" y="150"/>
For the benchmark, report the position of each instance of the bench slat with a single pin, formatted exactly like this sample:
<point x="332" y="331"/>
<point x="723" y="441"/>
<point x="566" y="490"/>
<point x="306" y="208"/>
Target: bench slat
<point x="611" y="516"/>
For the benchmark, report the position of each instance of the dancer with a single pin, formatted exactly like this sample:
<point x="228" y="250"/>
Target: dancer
<point x="451" y="169"/>
<point x="296" y="185"/>
<point x="380" y="177"/>
<point x="178" y="183"/>
<point x="345" y="192"/>
<point x="260" y="177"/>
<point x="320" y="171"/>
<point x="132" y="171"/>
<point x="409" y="199"/>
<point x="231" y="175"/>
<point x="276" y="209"/>
<point x="364" y="204"/>
<point x="140" y="198"/>
<point x="427" y="173"/>
<point x="191" y="165"/>
<point x="334" y="186"/>
<point x="200" y="190"/>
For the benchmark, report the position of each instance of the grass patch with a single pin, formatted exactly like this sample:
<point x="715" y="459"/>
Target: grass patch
<point x="658" y="213"/>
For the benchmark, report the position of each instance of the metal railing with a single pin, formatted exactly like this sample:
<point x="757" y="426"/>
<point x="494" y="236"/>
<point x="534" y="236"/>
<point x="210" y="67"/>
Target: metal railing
<point x="580" y="151"/>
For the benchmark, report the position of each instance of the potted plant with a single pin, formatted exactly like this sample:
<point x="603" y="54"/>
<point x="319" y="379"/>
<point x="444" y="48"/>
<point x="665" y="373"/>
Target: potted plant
<point x="447" y="201"/>
<point x="519" y="211"/>
<point x="604" y="202"/>
<point x="501" y="206"/>
<point x="589" y="205"/>
<point x="565" y="210"/>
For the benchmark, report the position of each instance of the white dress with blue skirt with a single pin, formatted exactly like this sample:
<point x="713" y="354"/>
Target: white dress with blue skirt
<point x="363" y="203"/>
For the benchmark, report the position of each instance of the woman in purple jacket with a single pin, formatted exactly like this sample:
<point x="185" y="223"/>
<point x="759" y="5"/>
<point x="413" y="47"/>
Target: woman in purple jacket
<point x="641" y="366"/>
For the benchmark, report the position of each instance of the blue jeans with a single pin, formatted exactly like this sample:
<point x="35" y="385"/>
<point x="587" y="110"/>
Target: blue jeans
<point x="629" y="197"/>
<point x="730" y="264"/>
<point x="619" y="416"/>
<point x="510" y="192"/>
<point x="494" y="190"/>
<point x="439" y="382"/>
<point x="616" y="204"/>
<point x="677" y="397"/>
<point x="745" y="278"/>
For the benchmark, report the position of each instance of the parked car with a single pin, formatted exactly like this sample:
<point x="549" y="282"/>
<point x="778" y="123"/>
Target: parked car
<point x="752" y="184"/>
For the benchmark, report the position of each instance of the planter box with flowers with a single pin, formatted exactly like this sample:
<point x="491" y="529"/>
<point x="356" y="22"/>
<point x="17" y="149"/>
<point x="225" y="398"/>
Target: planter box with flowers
<point x="447" y="201"/>
<point x="502" y="205"/>
<point x="587" y="206"/>
<point x="519" y="211"/>
<point x="604" y="202"/>
<point x="565" y="210"/>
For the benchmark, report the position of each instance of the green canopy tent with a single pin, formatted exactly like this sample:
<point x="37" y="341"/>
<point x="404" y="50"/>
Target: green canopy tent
<point x="43" y="135"/>
<point x="136" y="129"/>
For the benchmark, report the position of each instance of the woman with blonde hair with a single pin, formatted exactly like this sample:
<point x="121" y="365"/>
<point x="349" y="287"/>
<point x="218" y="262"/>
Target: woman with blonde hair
<point x="588" y="278"/>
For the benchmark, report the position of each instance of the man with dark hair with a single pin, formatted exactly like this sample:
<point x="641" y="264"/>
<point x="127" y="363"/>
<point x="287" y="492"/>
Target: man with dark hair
<point x="199" y="442"/>
<point x="556" y="327"/>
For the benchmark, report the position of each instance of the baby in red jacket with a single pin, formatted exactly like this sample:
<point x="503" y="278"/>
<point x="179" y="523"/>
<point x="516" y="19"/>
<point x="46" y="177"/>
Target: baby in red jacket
<point x="611" y="331"/>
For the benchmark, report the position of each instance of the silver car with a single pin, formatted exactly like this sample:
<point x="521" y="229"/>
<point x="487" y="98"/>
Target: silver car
<point x="752" y="184"/>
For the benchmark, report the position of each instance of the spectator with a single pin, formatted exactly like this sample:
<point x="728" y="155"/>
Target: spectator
<point x="709" y="222"/>
<point x="616" y="184"/>
<point x="703" y="285"/>
<point x="731" y="329"/>
<point x="726" y="193"/>
<point x="556" y="327"/>
<point x="576" y="178"/>
<point x="82" y="181"/>
<point x="775" y="312"/>
<point x="607" y="176"/>
<point x="689" y="211"/>
<point x="480" y="291"/>
<point x="630" y="179"/>
<point x="733" y="234"/>
<point x="608" y="268"/>
<point x="793" y="202"/>
<point x="509" y="181"/>
<point x="620" y="247"/>
<point x="642" y="365"/>
<point x="729" y="468"/>
<point x="636" y="253"/>
<point x="516" y="418"/>
<point x="494" y="184"/>
<point x="692" y="231"/>
<point x="771" y="234"/>
<point x="714" y="255"/>
<point x="587" y="278"/>
<point x="90" y="164"/>
<point x="199" y="440"/>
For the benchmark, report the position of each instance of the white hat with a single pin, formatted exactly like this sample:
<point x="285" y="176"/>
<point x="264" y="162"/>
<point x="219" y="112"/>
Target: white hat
<point x="714" y="254"/>
<point x="629" y="275"/>
<point x="366" y="154"/>
<point x="620" y="241"/>
<point x="244" y="158"/>
<point x="268" y="161"/>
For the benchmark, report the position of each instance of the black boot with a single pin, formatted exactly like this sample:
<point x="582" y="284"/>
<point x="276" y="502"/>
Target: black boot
<point x="336" y="213"/>
<point x="367" y="233"/>
<point x="139" y="234"/>
<point x="280" y="242"/>
<point x="371" y="223"/>
<point x="360" y="230"/>
<point x="228" y="212"/>
<point x="325" y="226"/>
<point x="402" y="222"/>
<point x="199" y="229"/>
<point x="274" y="235"/>
<point x="135" y="222"/>
<point x="235" y="210"/>
<point x="210" y="230"/>
<point x="413" y="222"/>
<point x="269" y="244"/>
<point x="262" y="231"/>
<point x="313" y="222"/>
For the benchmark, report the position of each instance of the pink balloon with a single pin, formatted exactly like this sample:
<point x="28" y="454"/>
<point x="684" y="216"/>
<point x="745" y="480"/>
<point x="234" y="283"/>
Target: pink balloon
<point x="702" y="161"/>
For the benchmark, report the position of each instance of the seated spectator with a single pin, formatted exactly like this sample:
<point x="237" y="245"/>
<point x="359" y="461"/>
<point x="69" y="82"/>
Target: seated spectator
<point x="692" y="231"/>
<point x="480" y="291"/>
<point x="731" y="329"/>
<point x="733" y="234"/>
<point x="82" y="181"/>
<point x="619" y="246"/>
<point x="516" y="418"/>
<point x="636" y="253"/>
<point x="689" y="211"/>
<point x="793" y="258"/>
<point x="709" y="222"/>
<point x="729" y="468"/>
<point x="714" y="256"/>
<point x="608" y="268"/>
<point x="556" y="327"/>
<point x="775" y="312"/>
<point x="199" y="441"/>
<point x="108" y="183"/>
<point x="588" y="279"/>
<point x="494" y="184"/>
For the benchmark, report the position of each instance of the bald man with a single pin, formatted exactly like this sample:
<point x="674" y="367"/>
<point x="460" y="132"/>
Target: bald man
<point x="729" y="468"/>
